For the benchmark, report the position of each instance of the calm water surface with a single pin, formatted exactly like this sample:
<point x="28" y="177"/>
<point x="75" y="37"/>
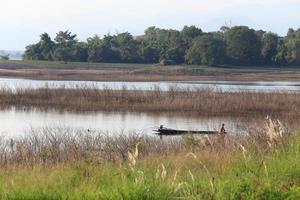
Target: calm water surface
<point x="232" y="86"/>
<point x="17" y="122"/>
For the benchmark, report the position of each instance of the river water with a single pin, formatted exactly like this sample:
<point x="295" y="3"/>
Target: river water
<point x="16" y="122"/>
<point x="225" y="86"/>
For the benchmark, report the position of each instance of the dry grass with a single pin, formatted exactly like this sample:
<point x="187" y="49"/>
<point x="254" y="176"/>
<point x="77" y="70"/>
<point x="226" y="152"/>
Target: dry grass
<point x="45" y="70"/>
<point x="53" y="145"/>
<point x="180" y="101"/>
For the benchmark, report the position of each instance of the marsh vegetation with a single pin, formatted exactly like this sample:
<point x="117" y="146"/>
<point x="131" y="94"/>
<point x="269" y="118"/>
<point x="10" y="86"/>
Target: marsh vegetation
<point x="176" y="100"/>
<point x="261" y="162"/>
<point x="66" y="164"/>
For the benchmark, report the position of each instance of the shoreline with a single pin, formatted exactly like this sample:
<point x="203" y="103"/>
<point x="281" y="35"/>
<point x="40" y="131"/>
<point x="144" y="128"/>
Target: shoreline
<point x="38" y="70"/>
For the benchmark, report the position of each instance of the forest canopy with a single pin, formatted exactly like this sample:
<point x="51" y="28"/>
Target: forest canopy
<point x="238" y="45"/>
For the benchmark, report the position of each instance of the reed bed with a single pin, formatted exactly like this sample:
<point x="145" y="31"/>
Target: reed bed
<point x="175" y="100"/>
<point x="52" y="145"/>
<point x="61" y="163"/>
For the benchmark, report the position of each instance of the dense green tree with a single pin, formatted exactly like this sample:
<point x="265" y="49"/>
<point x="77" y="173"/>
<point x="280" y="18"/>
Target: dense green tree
<point x="174" y="55"/>
<point x="158" y="39"/>
<point x="280" y="58"/>
<point x="112" y="53"/>
<point x="224" y="32"/>
<point x="293" y="47"/>
<point x="65" y="46"/>
<point x="174" y="39"/>
<point x="32" y="52"/>
<point x="293" y="51"/>
<point x="81" y="52"/>
<point x="269" y="47"/>
<point x="207" y="50"/>
<point x="189" y="33"/>
<point x="46" y="45"/>
<point x="127" y="47"/>
<point x="243" y="46"/>
<point x="237" y="45"/>
<point x="103" y="50"/>
<point x="41" y="50"/>
<point x="93" y="43"/>
<point x="168" y="42"/>
<point x="148" y="54"/>
<point x="66" y="39"/>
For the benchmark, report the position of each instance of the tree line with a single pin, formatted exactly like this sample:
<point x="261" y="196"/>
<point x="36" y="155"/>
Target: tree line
<point x="238" y="45"/>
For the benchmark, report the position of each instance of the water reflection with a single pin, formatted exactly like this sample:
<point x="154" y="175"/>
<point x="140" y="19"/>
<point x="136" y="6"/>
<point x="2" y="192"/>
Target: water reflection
<point x="15" y="122"/>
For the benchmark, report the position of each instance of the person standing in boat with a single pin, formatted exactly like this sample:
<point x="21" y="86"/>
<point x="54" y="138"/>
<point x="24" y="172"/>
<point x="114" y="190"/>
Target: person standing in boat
<point x="221" y="135"/>
<point x="222" y="129"/>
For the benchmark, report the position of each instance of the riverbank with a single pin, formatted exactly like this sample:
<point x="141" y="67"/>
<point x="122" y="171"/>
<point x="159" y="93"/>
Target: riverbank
<point x="43" y="70"/>
<point x="48" y="165"/>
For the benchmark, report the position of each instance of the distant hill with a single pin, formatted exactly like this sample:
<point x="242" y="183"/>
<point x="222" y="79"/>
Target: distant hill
<point x="13" y="55"/>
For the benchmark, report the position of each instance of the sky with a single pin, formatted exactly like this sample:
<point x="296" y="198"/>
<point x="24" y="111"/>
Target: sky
<point x="22" y="21"/>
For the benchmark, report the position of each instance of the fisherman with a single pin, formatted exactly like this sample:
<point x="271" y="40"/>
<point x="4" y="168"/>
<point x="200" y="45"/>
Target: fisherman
<point x="222" y="129"/>
<point x="221" y="135"/>
<point x="160" y="128"/>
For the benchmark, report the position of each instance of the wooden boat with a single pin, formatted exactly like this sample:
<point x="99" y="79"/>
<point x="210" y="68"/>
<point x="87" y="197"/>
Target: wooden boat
<point x="168" y="132"/>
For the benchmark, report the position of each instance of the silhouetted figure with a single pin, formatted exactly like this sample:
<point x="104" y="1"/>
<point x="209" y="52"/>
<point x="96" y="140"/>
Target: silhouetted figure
<point x="222" y="129"/>
<point x="221" y="135"/>
<point x="161" y="127"/>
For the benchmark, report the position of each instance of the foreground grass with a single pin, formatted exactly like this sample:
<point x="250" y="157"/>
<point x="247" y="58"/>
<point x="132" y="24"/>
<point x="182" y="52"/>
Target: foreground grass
<point x="274" y="175"/>
<point x="248" y="167"/>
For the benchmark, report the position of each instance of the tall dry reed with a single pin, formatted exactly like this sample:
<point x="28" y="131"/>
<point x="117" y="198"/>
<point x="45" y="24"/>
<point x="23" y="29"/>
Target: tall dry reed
<point x="65" y="145"/>
<point x="186" y="101"/>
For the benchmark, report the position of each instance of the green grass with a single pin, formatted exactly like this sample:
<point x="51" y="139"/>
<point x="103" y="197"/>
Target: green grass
<point x="70" y="65"/>
<point x="274" y="174"/>
<point x="141" y="67"/>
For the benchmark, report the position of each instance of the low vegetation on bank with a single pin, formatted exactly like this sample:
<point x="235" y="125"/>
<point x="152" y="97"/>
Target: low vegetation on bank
<point x="50" y="70"/>
<point x="67" y="164"/>
<point x="175" y="100"/>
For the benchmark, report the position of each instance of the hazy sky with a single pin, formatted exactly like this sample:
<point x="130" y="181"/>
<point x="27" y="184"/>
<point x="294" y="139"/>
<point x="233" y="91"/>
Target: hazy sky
<point x="22" y="21"/>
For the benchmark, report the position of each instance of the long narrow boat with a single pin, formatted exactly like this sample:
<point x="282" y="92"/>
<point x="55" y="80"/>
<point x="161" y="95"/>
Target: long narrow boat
<point x="169" y="132"/>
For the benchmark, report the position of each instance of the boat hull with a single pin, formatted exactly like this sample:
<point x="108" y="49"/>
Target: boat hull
<point x="170" y="132"/>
